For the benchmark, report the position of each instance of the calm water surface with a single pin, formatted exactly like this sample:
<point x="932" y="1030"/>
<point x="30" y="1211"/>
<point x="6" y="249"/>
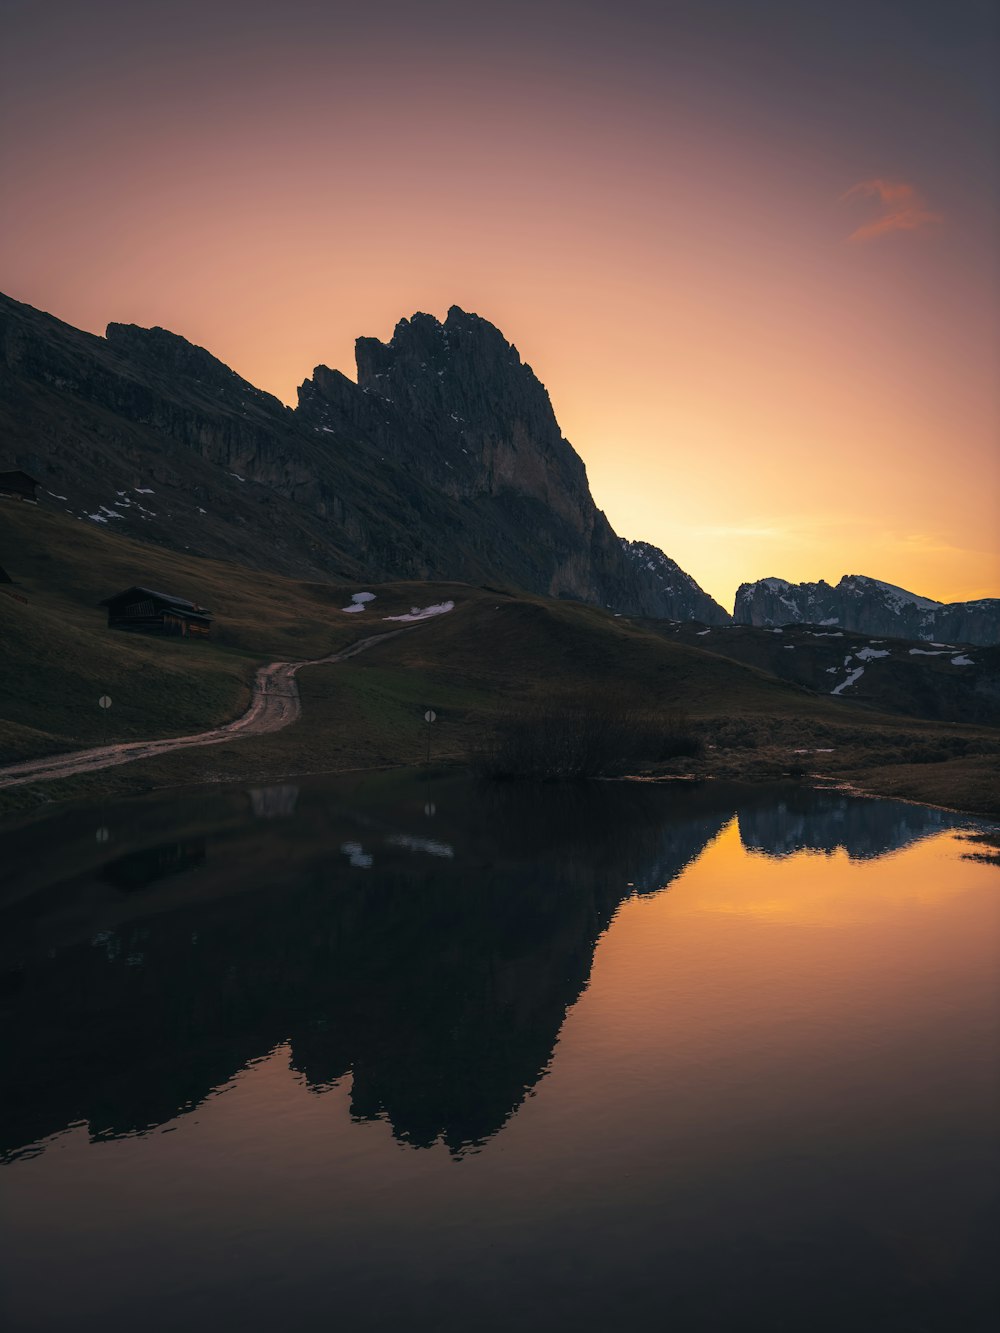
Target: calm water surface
<point x="433" y="1057"/>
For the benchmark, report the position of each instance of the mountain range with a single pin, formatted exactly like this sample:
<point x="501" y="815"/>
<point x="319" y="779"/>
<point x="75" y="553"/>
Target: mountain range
<point x="868" y="606"/>
<point x="444" y="460"/>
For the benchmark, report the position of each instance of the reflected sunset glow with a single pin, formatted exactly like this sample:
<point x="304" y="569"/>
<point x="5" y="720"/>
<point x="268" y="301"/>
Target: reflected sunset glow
<point x="722" y="1052"/>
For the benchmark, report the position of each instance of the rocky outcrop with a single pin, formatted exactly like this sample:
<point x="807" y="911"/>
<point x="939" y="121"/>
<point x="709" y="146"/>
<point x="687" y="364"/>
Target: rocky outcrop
<point x="868" y="606"/>
<point x="444" y="460"/>
<point x="678" y="590"/>
<point x="453" y="404"/>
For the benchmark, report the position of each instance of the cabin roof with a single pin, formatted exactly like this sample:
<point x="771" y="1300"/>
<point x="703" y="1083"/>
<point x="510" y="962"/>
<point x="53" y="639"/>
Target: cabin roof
<point x="18" y="475"/>
<point x="176" y="603"/>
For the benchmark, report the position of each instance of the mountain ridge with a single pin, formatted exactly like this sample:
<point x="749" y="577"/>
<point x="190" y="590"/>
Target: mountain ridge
<point x="445" y="460"/>
<point x="867" y="606"/>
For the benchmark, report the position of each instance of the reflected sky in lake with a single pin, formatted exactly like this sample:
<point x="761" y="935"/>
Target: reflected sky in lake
<point x="447" y="1056"/>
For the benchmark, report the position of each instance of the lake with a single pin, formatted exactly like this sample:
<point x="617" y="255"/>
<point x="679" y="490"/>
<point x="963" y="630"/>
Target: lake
<point x="427" y="1055"/>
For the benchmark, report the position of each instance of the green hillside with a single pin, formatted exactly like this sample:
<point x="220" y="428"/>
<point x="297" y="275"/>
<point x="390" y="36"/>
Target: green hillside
<point x="57" y="655"/>
<point x="497" y="655"/>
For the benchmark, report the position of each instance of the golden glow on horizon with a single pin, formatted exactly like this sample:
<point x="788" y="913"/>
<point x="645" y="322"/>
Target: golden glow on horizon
<point x="750" y="387"/>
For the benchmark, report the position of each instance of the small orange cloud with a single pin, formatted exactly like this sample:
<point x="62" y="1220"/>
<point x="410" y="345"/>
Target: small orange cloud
<point x="902" y="209"/>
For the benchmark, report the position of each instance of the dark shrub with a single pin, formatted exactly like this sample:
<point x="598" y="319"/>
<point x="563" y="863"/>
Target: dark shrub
<point x="582" y="739"/>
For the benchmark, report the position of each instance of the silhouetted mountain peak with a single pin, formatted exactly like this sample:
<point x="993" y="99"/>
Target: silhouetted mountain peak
<point x="465" y="367"/>
<point x="444" y="460"/>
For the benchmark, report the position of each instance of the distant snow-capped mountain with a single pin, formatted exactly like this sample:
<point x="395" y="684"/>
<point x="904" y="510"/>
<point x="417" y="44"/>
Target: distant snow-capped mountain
<point x="869" y="606"/>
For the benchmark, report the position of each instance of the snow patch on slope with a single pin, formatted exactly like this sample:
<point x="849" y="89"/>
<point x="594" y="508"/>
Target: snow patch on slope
<point x="856" y="674"/>
<point x="425" y="612"/>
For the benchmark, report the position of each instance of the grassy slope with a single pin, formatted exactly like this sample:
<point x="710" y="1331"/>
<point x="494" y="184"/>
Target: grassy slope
<point x="492" y="654"/>
<point x="57" y="656"/>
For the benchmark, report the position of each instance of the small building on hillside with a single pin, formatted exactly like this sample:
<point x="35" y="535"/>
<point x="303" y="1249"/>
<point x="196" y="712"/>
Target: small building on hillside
<point x="18" y="486"/>
<point x="149" y="612"/>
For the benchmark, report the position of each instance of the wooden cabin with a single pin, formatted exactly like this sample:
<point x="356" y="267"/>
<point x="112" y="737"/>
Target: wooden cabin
<point x="18" y="486"/>
<point x="149" y="612"/>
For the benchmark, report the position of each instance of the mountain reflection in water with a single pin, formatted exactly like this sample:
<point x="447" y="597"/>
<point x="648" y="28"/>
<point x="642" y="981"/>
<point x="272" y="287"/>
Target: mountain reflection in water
<point x="427" y="943"/>
<point x="367" y="1053"/>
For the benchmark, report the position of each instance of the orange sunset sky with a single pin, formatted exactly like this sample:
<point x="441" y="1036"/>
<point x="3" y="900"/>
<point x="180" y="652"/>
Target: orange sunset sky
<point x="750" y="249"/>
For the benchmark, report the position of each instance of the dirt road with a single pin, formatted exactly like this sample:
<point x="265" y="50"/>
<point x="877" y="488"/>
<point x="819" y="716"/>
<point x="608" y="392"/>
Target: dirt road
<point x="275" y="704"/>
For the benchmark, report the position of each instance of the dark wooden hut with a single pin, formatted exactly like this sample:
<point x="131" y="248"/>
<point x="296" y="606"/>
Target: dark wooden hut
<point x="149" y="612"/>
<point x="18" y="486"/>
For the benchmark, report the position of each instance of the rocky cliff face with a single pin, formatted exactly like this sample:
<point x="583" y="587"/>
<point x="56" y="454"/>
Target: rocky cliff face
<point x="867" y="606"/>
<point x="444" y="460"/>
<point x="678" y="589"/>
<point x="454" y="406"/>
<point x="148" y="435"/>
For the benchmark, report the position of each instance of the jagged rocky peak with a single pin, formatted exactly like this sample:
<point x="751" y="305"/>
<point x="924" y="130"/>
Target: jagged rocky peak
<point x="445" y="460"/>
<point x="422" y="343"/>
<point x="868" y="606"/>
<point x="326" y="397"/>
<point x="681" y="595"/>
<point x="417" y="344"/>
<point x="464" y="369"/>
<point x="455" y="400"/>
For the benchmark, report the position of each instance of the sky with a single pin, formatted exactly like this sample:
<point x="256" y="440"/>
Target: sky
<point x="749" y="246"/>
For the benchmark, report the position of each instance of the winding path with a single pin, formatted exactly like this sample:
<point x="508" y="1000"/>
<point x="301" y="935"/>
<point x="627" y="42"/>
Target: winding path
<point x="274" y="704"/>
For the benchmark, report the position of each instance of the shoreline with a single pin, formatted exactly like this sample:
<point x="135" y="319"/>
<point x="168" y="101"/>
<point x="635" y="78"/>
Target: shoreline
<point x="77" y="790"/>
